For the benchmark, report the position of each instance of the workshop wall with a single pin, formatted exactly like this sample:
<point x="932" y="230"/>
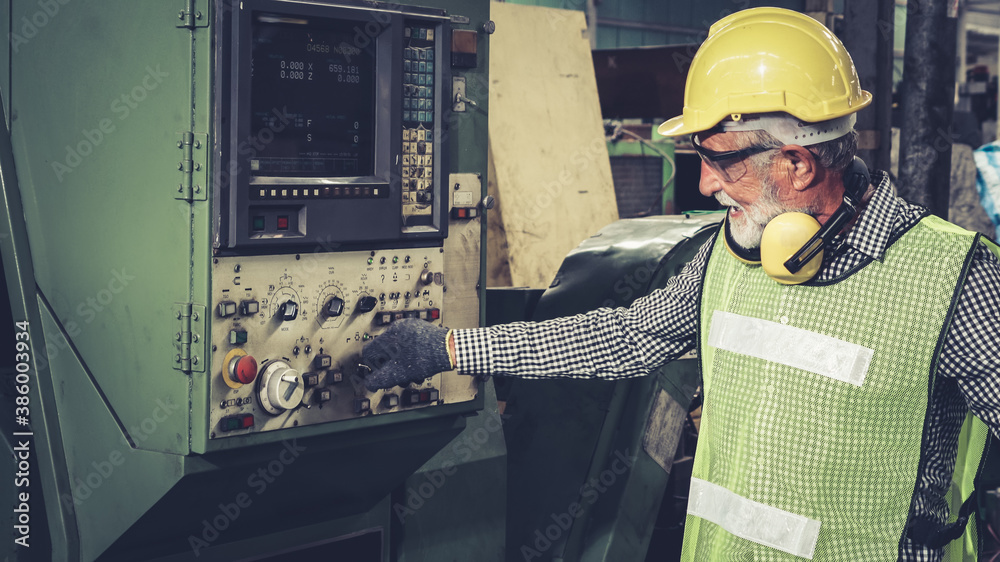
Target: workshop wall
<point x="636" y="23"/>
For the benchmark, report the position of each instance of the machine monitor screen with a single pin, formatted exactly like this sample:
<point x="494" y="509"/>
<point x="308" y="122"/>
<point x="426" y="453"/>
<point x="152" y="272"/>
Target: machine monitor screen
<point x="312" y="99"/>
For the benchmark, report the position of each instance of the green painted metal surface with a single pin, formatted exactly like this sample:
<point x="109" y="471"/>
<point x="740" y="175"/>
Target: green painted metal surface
<point x="93" y="152"/>
<point x="53" y="529"/>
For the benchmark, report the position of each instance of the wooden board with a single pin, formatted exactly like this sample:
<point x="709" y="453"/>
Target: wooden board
<point x="549" y="167"/>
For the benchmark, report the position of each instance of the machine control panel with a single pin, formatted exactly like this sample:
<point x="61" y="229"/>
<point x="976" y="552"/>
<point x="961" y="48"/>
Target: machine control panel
<point x="289" y="330"/>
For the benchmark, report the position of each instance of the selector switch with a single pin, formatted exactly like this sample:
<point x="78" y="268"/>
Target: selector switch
<point x="226" y="308"/>
<point x="289" y="310"/>
<point x="367" y="304"/>
<point x="249" y="308"/>
<point x="334" y="307"/>
<point x="281" y="388"/>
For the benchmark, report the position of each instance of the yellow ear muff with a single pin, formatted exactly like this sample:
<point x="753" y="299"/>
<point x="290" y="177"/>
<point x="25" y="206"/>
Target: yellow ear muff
<point x="783" y="237"/>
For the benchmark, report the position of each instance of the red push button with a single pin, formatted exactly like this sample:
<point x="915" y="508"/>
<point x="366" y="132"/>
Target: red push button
<point x="282" y="223"/>
<point x="435" y="313"/>
<point x="243" y="369"/>
<point x="247" y="421"/>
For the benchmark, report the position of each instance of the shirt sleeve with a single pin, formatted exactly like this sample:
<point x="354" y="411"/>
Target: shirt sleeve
<point x="604" y="343"/>
<point x="971" y="353"/>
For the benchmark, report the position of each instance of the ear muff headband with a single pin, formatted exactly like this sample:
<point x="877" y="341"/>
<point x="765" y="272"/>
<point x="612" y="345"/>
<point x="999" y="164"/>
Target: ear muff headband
<point x="792" y="245"/>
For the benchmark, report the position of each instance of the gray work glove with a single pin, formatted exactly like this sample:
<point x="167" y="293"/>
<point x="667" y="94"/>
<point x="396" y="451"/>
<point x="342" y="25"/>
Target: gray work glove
<point x="409" y="351"/>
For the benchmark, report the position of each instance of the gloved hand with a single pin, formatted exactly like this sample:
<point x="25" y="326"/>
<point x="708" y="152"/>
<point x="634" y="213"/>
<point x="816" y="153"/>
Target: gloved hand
<point x="409" y="351"/>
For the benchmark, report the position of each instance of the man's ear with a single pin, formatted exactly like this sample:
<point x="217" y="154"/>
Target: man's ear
<point x="798" y="166"/>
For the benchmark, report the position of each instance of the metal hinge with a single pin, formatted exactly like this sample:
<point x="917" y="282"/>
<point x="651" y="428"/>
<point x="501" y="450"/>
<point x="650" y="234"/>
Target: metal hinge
<point x="189" y="341"/>
<point x="193" y="182"/>
<point x="193" y="14"/>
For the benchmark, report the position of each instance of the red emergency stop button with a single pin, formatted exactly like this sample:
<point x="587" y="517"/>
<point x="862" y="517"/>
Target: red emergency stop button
<point x="243" y="369"/>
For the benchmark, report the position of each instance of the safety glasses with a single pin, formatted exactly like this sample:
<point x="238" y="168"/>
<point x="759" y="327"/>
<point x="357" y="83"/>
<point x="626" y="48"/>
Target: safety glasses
<point x="731" y="164"/>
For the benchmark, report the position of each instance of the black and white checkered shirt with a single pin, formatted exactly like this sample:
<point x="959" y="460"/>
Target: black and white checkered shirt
<point x="619" y="343"/>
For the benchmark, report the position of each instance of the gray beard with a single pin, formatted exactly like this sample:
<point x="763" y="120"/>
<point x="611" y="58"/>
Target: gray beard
<point x="747" y="230"/>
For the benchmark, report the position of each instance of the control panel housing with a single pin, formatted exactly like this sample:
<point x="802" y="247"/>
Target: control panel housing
<point x="289" y="330"/>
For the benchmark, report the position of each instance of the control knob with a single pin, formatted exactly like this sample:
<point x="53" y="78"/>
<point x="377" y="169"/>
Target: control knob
<point x="289" y="310"/>
<point x="281" y="388"/>
<point x="367" y="304"/>
<point x="334" y="307"/>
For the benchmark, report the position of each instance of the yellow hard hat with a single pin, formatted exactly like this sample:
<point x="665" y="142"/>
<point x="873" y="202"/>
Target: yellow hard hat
<point x="768" y="60"/>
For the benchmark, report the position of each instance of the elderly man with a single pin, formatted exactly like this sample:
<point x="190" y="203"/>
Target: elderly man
<point x="844" y="334"/>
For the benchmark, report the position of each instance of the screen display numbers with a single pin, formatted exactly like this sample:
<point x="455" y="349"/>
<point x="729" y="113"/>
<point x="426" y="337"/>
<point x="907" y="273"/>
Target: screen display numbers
<point x="312" y="99"/>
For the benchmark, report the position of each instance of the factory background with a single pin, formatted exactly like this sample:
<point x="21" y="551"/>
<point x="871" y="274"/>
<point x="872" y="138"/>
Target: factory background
<point x="193" y="288"/>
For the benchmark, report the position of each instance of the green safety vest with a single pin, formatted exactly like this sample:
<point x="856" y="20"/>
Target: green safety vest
<point x="815" y="399"/>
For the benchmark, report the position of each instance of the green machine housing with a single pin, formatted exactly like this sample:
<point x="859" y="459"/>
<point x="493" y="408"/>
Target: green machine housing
<point x="210" y="207"/>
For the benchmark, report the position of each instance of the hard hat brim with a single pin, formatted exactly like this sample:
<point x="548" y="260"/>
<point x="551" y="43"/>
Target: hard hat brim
<point x="674" y="127"/>
<point x="679" y="126"/>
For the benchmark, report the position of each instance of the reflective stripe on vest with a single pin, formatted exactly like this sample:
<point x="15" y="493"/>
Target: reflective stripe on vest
<point x="752" y="520"/>
<point x="787" y="345"/>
